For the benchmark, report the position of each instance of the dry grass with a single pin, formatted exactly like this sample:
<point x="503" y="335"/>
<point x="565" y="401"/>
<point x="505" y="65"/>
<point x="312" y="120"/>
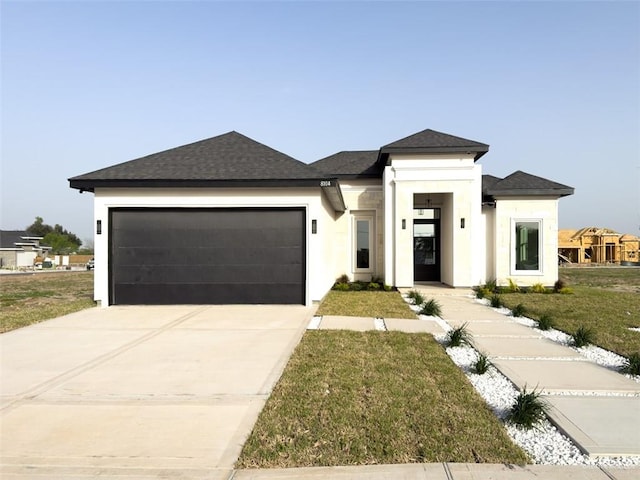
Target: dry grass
<point x="354" y="398"/>
<point x="625" y="279"/>
<point x="603" y="300"/>
<point x="366" y="304"/>
<point x="27" y="299"/>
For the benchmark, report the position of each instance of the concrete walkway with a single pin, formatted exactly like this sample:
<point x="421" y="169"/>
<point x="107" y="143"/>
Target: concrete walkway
<point x="140" y="392"/>
<point x="579" y="391"/>
<point x="172" y="392"/>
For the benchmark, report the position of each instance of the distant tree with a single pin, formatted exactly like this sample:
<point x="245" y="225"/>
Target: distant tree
<point x="60" y="244"/>
<point x="38" y="228"/>
<point x="58" y="238"/>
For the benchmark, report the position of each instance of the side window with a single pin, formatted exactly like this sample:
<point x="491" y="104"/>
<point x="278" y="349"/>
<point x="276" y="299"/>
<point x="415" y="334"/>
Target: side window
<point x="528" y="245"/>
<point x="363" y="243"/>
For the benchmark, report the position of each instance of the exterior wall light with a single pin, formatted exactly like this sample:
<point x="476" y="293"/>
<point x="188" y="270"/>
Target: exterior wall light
<point x="314" y="227"/>
<point x="404" y="224"/>
<point x="98" y="227"/>
<point x="462" y="222"/>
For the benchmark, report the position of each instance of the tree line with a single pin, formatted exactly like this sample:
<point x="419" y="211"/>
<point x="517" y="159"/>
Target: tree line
<point x="61" y="241"/>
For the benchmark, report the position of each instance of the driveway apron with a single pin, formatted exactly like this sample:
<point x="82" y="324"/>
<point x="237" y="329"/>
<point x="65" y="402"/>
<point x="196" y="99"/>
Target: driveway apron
<point x="140" y="392"/>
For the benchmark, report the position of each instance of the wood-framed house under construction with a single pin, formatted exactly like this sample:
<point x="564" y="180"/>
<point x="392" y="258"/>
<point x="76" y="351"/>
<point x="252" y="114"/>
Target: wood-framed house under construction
<point x="597" y="245"/>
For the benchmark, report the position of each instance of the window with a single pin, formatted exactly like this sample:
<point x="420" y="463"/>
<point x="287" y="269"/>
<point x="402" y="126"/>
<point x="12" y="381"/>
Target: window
<point x="363" y="243"/>
<point x="527" y="246"/>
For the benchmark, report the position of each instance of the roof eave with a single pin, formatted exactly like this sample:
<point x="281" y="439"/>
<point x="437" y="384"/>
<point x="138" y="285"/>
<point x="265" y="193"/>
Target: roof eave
<point x="358" y="176"/>
<point x="332" y="190"/>
<point x="329" y="185"/>
<point x="91" y="185"/>
<point x="478" y="152"/>
<point x="531" y="192"/>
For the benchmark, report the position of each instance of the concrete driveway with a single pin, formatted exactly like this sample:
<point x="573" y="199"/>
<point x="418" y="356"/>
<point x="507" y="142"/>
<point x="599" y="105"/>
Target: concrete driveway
<point x="140" y="392"/>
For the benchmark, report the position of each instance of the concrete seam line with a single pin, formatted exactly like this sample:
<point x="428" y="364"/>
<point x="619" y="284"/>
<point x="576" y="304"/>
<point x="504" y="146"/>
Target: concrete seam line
<point x="447" y="471"/>
<point x="606" y="472"/>
<point x="63" y="377"/>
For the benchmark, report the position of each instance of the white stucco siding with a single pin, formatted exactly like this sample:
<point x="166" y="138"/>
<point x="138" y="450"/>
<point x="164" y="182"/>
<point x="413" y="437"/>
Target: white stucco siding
<point x="488" y="216"/>
<point x="330" y="249"/>
<point x="510" y="210"/>
<point x="319" y="271"/>
<point x="458" y="183"/>
<point x="363" y="198"/>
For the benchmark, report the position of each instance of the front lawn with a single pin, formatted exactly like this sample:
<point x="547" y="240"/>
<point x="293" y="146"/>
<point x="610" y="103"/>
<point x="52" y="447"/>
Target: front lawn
<point x="605" y="300"/>
<point x="355" y="398"/>
<point x="27" y="299"/>
<point x="365" y="304"/>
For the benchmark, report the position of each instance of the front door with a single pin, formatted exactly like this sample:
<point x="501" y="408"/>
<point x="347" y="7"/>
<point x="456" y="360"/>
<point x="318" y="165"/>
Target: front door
<point x="426" y="250"/>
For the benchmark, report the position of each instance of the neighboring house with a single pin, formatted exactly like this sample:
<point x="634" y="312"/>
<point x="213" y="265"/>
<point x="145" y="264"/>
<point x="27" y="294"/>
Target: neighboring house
<point x="597" y="245"/>
<point x="19" y="248"/>
<point x="230" y="220"/>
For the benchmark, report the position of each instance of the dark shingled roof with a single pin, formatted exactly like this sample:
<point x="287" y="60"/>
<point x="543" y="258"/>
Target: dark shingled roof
<point x="356" y="164"/>
<point x="9" y="238"/>
<point x="488" y="181"/>
<point x="430" y="141"/>
<point x="227" y="157"/>
<point x="525" y="184"/>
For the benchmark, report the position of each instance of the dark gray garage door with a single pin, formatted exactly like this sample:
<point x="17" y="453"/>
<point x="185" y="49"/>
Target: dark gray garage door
<point x="207" y="256"/>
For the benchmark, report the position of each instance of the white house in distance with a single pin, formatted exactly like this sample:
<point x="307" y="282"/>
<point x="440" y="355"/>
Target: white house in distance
<point x="230" y="220"/>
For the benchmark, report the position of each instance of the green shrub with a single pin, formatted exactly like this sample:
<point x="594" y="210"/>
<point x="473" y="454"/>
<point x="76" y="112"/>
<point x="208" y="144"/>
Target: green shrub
<point x="582" y="337"/>
<point x="528" y="409"/>
<point x="537" y="288"/>
<point x="431" y="308"/>
<point x="482" y="363"/>
<point x="357" y="286"/>
<point x="481" y="291"/>
<point x="388" y="288"/>
<point x="416" y="297"/>
<point x="492" y="286"/>
<point x="496" y="301"/>
<point x="518" y="311"/>
<point x="513" y="287"/>
<point x="342" y="287"/>
<point x="632" y="365"/>
<point x="458" y="336"/>
<point x="545" y="322"/>
<point x="373" y="286"/>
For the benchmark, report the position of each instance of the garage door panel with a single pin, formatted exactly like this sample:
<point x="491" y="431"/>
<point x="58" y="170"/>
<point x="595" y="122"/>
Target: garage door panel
<point x="203" y="274"/>
<point x="166" y="294"/>
<point x="209" y="256"/>
<point x="221" y="238"/>
<point x="173" y="256"/>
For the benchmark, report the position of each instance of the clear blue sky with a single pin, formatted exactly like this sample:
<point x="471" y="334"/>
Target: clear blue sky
<point x="553" y="87"/>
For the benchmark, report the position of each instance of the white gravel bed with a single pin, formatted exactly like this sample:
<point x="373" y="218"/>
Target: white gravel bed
<point x="379" y="324"/>
<point x="544" y="443"/>
<point x="598" y="355"/>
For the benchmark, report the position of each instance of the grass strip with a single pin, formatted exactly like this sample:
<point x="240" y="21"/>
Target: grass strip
<point x="28" y="299"/>
<point x="356" y="398"/>
<point x="365" y="304"/>
<point x="608" y="314"/>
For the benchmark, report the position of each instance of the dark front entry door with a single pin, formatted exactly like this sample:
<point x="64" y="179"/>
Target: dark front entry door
<point x="426" y="250"/>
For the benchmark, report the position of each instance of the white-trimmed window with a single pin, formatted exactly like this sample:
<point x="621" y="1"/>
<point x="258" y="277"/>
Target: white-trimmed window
<point x="526" y="246"/>
<point x="363" y="235"/>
